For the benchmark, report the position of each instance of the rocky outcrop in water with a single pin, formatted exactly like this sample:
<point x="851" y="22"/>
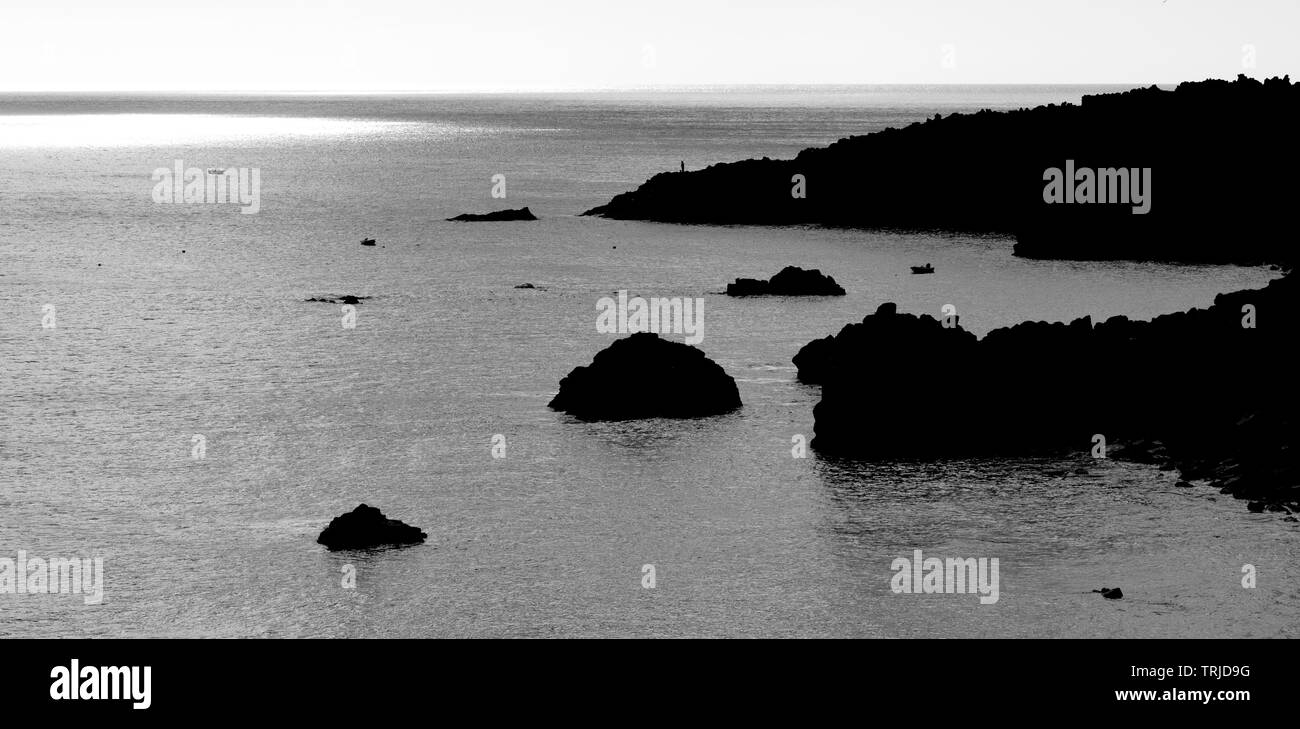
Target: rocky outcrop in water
<point x="496" y="216"/>
<point x="644" y="376"/>
<point x="790" y="281"/>
<point x="345" y="299"/>
<point x="366" y="526"/>
<point x="1221" y="158"/>
<point x="1211" y="392"/>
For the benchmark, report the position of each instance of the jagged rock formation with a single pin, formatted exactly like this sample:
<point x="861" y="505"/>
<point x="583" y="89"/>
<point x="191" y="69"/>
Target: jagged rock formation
<point x="496" y="216"/>
<point x="1210" y="391"/>
<point x="345" y="299"/>
<point x="791" y="281"/>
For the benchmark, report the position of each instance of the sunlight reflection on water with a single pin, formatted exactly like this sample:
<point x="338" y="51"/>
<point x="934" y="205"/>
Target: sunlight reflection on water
<point x="128" y="130"/>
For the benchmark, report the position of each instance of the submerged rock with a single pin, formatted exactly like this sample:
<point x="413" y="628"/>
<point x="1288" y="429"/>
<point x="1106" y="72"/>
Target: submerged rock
<point x="643" y="376"/>
<point x="366" y="526"/>
<point x="496" y="216"/>
<point x="791" y="281"/>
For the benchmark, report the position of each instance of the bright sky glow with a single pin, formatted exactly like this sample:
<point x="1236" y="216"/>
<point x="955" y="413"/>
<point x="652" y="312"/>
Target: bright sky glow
<point x="379" y="45"/>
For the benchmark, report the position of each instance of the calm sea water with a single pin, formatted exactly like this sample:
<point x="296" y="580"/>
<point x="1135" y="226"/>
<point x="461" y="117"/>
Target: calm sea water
<point x="177" y="320"/>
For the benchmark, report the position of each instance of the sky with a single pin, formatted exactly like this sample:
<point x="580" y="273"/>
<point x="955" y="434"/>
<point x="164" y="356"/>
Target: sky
<point x="498" y="45"/>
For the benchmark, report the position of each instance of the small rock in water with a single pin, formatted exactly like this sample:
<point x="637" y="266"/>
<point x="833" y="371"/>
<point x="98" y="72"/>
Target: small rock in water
<point x="1111" y="593"/>
<point x="525" y="286"/>
<point x="643" y="376"/>
<point x="496" y="215"/>
<point x="345" y="299"/>
<point x="791" y="281"/>
<point x="366" y="526"/>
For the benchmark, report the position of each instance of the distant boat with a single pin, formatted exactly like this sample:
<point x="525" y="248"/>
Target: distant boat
<point x="927" y="268"/>
<point x="367" y="241"/>
<point x="216" y="171"/>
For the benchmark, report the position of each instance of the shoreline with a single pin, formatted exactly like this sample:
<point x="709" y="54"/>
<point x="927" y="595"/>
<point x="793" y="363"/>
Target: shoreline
<point x="1047" y="388"/>
<point x="983" y="172"/>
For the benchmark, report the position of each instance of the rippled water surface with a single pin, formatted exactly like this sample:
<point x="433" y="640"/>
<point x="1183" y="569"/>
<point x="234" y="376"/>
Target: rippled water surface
<point x="176" y="320"/>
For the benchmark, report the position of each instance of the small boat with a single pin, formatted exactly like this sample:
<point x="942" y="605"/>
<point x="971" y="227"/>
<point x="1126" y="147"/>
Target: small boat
<point x="367" y="241"/>
<point x="927" y="268"/>
<point x="216" y="171"/>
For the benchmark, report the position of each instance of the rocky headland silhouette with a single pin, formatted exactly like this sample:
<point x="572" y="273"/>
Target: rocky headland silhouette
<point x="1218" y="165"/>
<point x="1204" y="172"/>
<point x="1211" y="392"/>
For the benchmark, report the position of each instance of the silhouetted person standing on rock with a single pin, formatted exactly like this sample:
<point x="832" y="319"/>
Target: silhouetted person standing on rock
<point x="683" y="165"/>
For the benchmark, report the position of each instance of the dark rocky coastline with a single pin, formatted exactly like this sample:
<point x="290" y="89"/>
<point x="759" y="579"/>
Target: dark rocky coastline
<point x="1206" y="392"/>
<point x="1197" y="391"/>
<point x="790" y="281"/>
<point x="1221" y="177"/>
<point x="496" y="216"/>
<point x="644" y="376"/>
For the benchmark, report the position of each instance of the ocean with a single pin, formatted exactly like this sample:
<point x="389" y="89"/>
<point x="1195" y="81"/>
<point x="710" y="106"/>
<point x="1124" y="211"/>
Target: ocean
<point x="177" y="326"/>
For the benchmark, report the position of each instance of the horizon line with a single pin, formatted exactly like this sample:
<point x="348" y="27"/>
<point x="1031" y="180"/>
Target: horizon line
<point x="594" y="89"/>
